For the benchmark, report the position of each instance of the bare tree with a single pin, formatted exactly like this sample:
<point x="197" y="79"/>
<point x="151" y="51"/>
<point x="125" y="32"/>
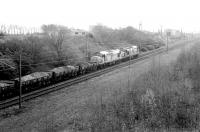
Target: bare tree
<point x="57" y="39"/>
<point x="35" y="48"/>
<point x="56" y="36"/>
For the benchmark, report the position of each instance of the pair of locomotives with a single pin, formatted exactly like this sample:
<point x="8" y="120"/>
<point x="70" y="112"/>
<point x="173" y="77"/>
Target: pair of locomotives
<point x="116" y="54"/>
<point x="38" y="80"/>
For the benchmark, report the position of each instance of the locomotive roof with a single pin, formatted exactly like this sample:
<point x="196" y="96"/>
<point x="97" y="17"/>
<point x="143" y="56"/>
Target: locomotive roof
<point x="104" y="52"/>
<point x="134" y="46"/>
<point x="113" y="51"/>
<point x="2" y="84"/>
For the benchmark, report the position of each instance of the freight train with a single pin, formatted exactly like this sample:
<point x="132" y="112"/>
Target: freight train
<point x="38" y="80"/>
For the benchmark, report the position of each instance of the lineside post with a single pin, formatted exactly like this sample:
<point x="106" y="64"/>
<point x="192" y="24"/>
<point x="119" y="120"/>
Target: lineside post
<point x="168" y="34"/>
<point x="20" y="84"/>
<point x="167" y="43"/>
<point x="129" y="71"/>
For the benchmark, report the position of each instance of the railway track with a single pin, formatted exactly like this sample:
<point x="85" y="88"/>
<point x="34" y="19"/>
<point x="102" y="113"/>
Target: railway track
<point x="55" y="87"/>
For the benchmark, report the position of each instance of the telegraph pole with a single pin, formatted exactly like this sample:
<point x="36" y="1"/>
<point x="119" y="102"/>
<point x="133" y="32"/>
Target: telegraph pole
<point x="86" y="47"/>
<point x="140" y="28"/>
<point x="167" y="40"/>
<point x="86" y="35"/>
<point x="129" y="71"/>
<point x="20" y="84"/>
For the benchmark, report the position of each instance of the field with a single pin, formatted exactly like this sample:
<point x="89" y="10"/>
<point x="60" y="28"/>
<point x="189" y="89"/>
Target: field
<point x="165" y="98"/>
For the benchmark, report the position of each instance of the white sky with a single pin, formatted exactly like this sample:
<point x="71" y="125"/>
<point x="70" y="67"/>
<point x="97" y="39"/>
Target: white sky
<point x="153" y="14"/>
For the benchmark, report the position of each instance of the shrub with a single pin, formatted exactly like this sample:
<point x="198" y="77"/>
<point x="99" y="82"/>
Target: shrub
<point x="144" y="49"/>
<point x="150" y="47"/>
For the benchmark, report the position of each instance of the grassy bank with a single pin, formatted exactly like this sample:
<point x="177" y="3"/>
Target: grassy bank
<point x="165" y="98"/>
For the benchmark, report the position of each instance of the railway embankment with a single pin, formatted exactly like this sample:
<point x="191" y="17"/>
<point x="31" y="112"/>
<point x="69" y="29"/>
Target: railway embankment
<point x="56" y="111"/>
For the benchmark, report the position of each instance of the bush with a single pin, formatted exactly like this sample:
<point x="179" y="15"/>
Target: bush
<point x="144" y="49"/>
<point x="156" y="46"/>
<point x="150" y="47"/>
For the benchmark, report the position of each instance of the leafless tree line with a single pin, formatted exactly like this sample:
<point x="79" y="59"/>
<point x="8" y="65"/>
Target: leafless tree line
<point x="17" y="30"/>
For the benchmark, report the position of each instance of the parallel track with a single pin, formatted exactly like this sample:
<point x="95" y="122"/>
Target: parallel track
<point x="55" y="87"/>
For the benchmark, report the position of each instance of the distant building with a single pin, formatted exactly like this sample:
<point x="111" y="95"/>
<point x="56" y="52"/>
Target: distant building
<point x="173" y="33"/>
<point x="78" y="32"/>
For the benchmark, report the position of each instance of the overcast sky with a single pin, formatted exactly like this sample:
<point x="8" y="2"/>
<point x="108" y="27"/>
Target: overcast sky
<point x="152" y="14"/>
